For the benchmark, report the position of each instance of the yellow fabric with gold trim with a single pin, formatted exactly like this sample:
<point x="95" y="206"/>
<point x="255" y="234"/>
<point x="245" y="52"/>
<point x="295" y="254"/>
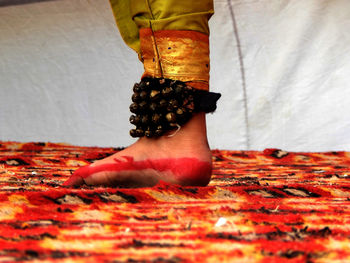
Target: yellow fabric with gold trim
<point x="131" y="15"/>
<point x="180" y="55"/>
<point x="171" y="37"/>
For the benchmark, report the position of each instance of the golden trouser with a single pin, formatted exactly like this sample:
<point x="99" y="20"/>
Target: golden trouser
<point x="170" y="36"/>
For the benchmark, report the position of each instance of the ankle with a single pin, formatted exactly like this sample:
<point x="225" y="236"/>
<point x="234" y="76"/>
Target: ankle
<point x="190" y="139"/>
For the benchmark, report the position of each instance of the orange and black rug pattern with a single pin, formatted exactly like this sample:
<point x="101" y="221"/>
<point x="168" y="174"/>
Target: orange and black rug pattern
<point x="270" y="206"/>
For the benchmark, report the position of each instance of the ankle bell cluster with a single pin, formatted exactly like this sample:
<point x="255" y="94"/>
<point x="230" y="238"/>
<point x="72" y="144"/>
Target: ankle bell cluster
<point x="161" y="105"/>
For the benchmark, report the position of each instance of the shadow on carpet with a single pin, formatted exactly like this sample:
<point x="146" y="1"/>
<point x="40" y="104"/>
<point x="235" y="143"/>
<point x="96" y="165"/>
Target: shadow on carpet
<point x="270" y="206"/>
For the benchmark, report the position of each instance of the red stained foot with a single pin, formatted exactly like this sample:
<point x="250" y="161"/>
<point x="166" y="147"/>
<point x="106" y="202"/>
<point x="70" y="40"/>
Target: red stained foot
<point x="183" y="171"/>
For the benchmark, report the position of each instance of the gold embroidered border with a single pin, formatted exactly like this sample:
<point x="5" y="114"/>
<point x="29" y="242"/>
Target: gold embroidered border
<point x="175" y="54"/>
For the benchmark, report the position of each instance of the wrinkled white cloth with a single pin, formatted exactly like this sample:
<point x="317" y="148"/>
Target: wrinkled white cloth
<point x="296" y="62"/>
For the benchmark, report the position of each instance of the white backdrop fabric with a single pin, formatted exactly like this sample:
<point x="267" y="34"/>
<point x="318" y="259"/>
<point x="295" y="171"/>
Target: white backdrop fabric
<point x="282" y="67"/>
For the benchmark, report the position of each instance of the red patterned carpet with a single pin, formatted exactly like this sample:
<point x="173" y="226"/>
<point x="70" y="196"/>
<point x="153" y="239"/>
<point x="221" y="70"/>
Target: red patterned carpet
<point x="269" y="206"/>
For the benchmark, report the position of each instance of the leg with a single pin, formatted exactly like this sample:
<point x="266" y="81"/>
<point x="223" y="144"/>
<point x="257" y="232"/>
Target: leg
<point x="185" y="157"/>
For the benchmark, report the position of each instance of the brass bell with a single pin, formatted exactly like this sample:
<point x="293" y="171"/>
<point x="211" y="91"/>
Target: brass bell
<point x="134" y="119"/>
<point x="156" y="118"/>
<point x="153" y="106"/>
<point x="135" y="97"/>
<point x="142" y="85"/>
<point x="167" y="91"/>
<point x="180" y="112"/>
<point x="163" y="103"/>
<point x="158" y="132"/>
<point x="134" y="108"/>
<point x="143" y="95"/>
<point x="171" y="117"/>
<point x="136" y="133"/>
<point x="181" y="115"/>
<point x="149" y="133"/>
<point x="144" y="119"/>
<point x="133" y="133"/>
<point x="136" y="88"/>
<point x="173" y="103"/>
<point x="143" y="105"/>
<point x="155" y="94"/>
<point x="178" y="89"/>
<point x="139" y="132"/>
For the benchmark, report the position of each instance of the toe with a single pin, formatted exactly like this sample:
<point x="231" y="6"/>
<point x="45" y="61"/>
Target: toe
<point x="77" y="178"/>
<point x="74" y="180"/>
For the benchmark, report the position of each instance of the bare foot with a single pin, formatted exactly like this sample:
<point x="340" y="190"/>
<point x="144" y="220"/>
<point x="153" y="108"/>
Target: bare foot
<point x="184" y="159"/>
